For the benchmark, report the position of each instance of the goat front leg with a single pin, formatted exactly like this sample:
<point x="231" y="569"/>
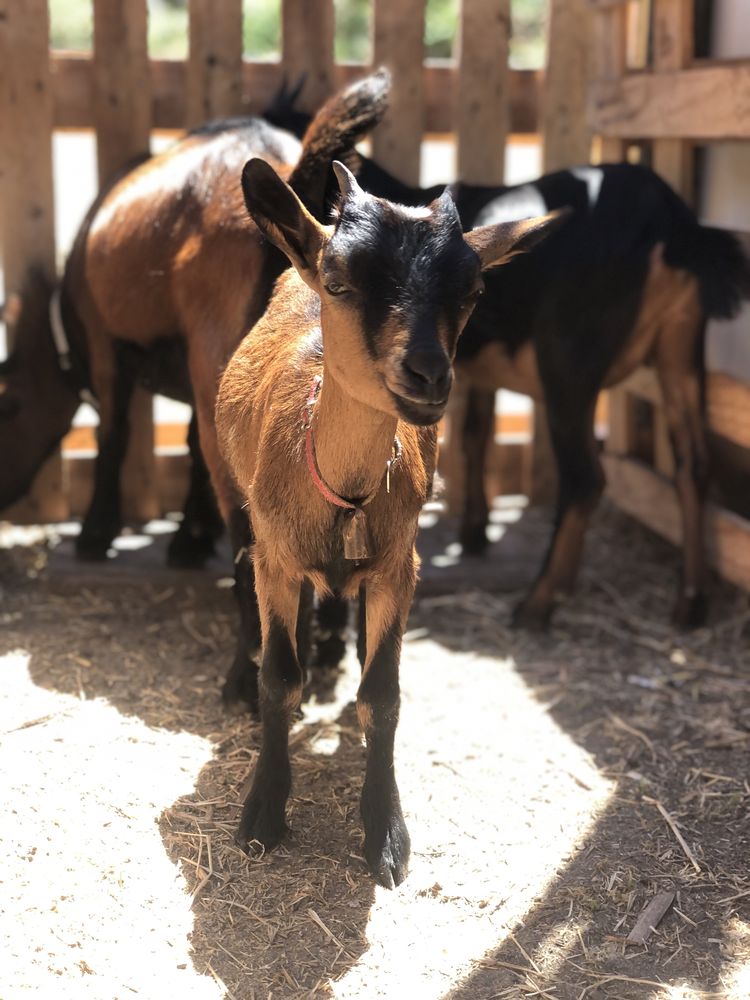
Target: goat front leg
<point x="263" y="815"/>
<point x="387" y="844"/>
<point x="476" y="433"/>
<point x="102" y="522"/>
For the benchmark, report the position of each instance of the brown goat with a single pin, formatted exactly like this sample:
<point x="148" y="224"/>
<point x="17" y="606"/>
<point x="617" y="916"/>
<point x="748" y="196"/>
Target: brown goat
<point x="165" y="276"/>
<point x="364" y="329"/>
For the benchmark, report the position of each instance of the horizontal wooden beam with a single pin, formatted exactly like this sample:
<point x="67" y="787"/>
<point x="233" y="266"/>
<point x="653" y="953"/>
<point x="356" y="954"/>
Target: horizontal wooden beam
<point x="73" y="92"/>
<point x="727" y="402"/>
<point x="652" y="500"/>
<point x="701" y="103"/>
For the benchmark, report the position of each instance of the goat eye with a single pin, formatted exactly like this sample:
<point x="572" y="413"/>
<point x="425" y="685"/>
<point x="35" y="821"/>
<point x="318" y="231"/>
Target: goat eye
<point x="336" y="288"/>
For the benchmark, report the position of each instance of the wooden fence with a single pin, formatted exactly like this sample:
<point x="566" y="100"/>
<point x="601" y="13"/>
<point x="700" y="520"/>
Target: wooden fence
<point x="123" y="95"/>
<point x="668" y="105"/>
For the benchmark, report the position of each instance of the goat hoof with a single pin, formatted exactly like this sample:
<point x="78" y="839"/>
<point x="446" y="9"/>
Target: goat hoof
<point x="691" y="610"/>
<point x="93" y="544"/>
<point x="262" y="823"/>
<point x="240" y="689"/>
<point x="473" y="538"/>
<point x="387" y="853"/>
<point x="187" y="551"/>
<point x="532" y="616"/>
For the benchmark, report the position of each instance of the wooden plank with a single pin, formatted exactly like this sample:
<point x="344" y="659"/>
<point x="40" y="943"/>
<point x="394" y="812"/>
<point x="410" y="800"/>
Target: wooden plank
<point x="122" y="115"/>
<point x="121" y="94"/>
<point x="621" y="424"/>
<point x="481" y="90"/>
<point x="652" y="500"/>
<point x="307" y="48"/>
<point x="398" y="43"/>
<point x="702" y="103"/>
<point x="609" y="37"/>
<point x="728" y="408"/>
<point x="26" y="188"/>
<point x="73" y="92"/>
<point x="673" y="50"/>
<point x="727" y="402"/>
<point x="566" y="135"/>
<point x="214" y="71"/>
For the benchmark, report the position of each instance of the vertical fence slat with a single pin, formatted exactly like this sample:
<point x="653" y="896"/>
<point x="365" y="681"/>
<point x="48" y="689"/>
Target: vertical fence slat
<point x="610" y="46"/>
<point x="214" y="74"/>
<point x="482" y="96"/>
<point x="398" y="42"/>
<point x="122" y="116"/>
<point x="26" y="187"/>
<point x="673" y="50"/>
<point x="307" y="48"/>
<point x="565" y="133"/>
<point x="673" y="31"/>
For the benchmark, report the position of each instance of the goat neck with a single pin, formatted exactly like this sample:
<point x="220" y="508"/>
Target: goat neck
<point x="353" y="440"/>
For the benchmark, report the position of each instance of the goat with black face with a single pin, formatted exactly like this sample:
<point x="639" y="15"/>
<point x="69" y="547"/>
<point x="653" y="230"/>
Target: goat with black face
<point x="360" y="338"/>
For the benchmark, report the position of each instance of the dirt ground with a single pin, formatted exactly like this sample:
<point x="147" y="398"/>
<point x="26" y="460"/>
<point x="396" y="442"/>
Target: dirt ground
<point x="553" y="785"/>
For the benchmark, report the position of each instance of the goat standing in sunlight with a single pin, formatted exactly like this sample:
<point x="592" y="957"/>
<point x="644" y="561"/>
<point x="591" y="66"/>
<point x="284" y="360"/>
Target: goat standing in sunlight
<point x="359" y="339"/>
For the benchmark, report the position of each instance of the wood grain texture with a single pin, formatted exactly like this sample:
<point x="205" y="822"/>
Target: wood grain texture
<point x="121" y="86"/>
<point x="214" y="70"/>
<point x="307" y="48"/>
<point x="566" y="135"/>
<point x="26" y="188"/>
<point x="482" y="114"/>
<point x="72" y="87"/>
<point x="673" y="50"/>
<point x="122" y="115"/>
<point x="609" y="40"/>
<point x="701" y="103"/>
<point x="398" y="43"/>
<point x="651" y="499"/>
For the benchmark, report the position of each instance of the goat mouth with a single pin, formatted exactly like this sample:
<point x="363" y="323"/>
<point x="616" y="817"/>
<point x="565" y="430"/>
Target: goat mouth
<point x="419" y="412"/>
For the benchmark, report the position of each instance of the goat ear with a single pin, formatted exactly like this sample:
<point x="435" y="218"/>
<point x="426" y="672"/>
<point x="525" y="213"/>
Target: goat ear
<point x="497" y="243"/>
<point x="281" y="216"/>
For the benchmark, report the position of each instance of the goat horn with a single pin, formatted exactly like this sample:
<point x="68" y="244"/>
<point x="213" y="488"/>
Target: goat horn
<point x="347" y="181"/>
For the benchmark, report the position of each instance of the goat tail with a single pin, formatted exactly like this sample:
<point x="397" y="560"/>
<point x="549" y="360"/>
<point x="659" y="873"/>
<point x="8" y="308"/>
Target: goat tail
<point x="342" y="121"/>
<point x="718" y="260"/>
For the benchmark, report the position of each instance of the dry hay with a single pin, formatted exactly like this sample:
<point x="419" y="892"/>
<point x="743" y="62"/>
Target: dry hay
<point x="554" y="785"/>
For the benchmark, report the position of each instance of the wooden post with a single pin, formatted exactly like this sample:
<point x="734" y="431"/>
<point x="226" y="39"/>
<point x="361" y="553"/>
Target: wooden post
<point x="399" y="44"/>
<point x="122" y="115"/>
<point x="214" y="70"/>
<point x="609" y="33"/>
<point x="672" y="158"/>
<point x="566" y="140"/>
<point x="28" y="235"/>
<point x="482" y="106"/>
<point x="307" y="48"/>
<point x="566" y="135"/>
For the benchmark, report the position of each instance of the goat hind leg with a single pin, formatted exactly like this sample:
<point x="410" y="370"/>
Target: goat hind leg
<point x="679" y="350"/>
<point x="103" y="521"/>
<point x="581" y="480"/>
<point x="195" y="540"/>
<point x="476" y="433"/>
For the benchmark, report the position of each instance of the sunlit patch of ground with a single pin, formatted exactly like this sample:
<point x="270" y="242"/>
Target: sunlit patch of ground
<point x="91" y="905"/>
<point x="529" y="767"/>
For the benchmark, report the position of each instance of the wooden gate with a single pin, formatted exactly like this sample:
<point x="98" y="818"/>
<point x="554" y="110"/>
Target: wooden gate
<point x="123" y="95"/>
<point x="667" y="103"/>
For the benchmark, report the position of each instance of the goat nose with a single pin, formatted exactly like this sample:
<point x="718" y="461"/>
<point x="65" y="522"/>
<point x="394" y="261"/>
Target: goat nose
<point x="429" y="367"/>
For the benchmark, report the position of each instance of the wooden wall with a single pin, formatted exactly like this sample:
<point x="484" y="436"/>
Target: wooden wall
<point x="123" y="95"/>
<point x="674" y="102"/>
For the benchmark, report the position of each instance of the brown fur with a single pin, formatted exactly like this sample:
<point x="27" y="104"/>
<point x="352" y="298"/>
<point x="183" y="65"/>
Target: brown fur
<point x="311" y="330"/>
